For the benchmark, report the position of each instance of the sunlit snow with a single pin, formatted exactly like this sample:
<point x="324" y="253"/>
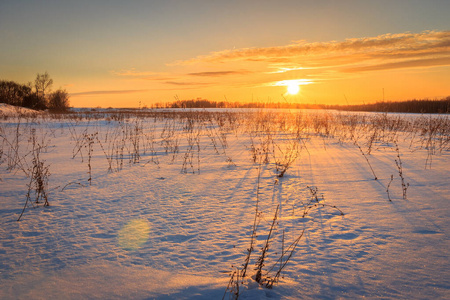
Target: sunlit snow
<point x="169" y="207"/>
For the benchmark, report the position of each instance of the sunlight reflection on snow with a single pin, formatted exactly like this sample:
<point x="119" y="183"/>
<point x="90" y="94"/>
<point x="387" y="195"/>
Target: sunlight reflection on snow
<point x="133" y="234"/>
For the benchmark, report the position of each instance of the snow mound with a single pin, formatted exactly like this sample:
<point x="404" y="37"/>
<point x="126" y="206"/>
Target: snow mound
<point x="12" y="111"/>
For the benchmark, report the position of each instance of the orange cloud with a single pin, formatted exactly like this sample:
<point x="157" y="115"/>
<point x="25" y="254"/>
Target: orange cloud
<point x="186" y="83"/>
<point x="107" y="92"/>
<point x="218" y="73"/>
<point x="350" y="51"/>
<point x="292" y="81"/>
<point x="430" y="62"/>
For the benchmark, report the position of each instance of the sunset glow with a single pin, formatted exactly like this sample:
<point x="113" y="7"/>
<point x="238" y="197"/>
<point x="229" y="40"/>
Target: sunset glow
<point x="141" y="53"/>
<point x="293" y="89"/>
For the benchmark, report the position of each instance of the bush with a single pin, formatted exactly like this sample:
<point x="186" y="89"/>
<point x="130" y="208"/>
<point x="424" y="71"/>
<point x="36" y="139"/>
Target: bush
<point x="59" y="101"/>
<point x="34" y="101"/>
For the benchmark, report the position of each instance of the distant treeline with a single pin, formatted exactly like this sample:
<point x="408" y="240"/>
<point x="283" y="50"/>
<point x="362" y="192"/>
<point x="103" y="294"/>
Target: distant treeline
<point x="203" y="103"/>
<point x="424" y="106"/>
<point x="409" y="106"/>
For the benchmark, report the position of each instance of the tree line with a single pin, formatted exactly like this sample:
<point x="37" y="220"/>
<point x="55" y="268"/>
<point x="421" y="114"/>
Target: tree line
<point x="35" y="95"/>
<point x="423" y="106"/>
<point x="409" y="106"/>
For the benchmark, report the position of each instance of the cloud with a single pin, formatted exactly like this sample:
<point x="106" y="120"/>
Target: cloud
<point x="431" y="62"/>
<point x="376" y="50"/>
<point x="218" y="73"/>
<point x="178" y="83"/>
<point x="181" y="83"/>
<point x="290" y="82"/>
<point x="282" y="69"/>
<point x="88" y="93"/>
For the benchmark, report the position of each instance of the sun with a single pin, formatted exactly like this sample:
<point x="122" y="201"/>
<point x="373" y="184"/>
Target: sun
<point x="293" y="88"/>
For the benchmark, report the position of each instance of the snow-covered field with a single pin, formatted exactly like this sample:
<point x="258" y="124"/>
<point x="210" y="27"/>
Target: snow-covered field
<point x="163" y="206"/>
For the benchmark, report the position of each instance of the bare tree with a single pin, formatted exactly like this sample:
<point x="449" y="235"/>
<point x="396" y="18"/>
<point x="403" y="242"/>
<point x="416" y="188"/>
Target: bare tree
<point x="42" y="84"/>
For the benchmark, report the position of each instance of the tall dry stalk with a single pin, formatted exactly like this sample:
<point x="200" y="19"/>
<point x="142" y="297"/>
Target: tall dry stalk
<point x="38" y="174"/>
<point x="399" y="165"/>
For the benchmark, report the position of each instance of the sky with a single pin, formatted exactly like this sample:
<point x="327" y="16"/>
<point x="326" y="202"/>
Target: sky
<point x="136" y="53"/>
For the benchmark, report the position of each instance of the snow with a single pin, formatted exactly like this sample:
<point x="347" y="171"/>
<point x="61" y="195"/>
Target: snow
<point x="7" y="110"/>
<point x="174" y="225"/>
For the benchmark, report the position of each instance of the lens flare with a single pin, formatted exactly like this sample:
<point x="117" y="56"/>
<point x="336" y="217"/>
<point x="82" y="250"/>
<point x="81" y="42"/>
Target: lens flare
<point x="134" y="234"/>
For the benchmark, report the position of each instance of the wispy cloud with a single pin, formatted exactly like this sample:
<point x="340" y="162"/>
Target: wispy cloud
<point x="187" y="83"/>
<point x="87" y="93"/>
<point x="378" y="53"/>
<point x="218" y="73"/>
<point x="181" y="79"/>
<point x="283" y="69"/>
<point x="430" y="62"/>
<point x="291" y="82"/>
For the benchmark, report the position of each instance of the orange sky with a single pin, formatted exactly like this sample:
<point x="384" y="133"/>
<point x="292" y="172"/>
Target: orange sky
<point x="403" y="66"/>
<point x="126" y="55"/>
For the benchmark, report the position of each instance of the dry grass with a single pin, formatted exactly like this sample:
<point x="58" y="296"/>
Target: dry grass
<point x="274" y="139"/>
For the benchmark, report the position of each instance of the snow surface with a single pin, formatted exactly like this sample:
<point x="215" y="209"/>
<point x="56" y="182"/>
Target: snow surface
<point x="171" y="225"/>
<point x="10" y="111"/>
